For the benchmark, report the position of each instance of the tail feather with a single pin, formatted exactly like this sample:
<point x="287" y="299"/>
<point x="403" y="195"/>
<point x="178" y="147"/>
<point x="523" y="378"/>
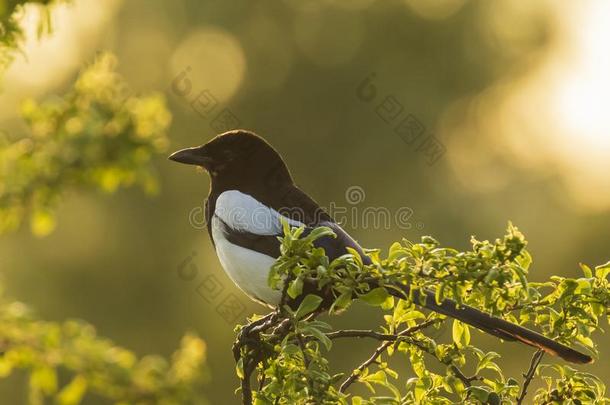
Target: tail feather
<point x="496" y="326"/>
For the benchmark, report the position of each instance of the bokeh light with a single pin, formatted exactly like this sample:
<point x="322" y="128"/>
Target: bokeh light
<point x="550" y="115"/>
<point x="435" y="10"/>
<point x="215" y="61"/>
<point x="77" y="29"/>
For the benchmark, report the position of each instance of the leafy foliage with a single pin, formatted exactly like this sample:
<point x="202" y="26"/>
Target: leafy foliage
<point x="98" y="135"/>
<point x="67" y="360"/>
<point x="286" y="349"/>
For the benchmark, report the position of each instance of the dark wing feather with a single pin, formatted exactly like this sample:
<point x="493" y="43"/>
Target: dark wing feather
<point x="295" y="204"/>
<point x="270" y="244"/>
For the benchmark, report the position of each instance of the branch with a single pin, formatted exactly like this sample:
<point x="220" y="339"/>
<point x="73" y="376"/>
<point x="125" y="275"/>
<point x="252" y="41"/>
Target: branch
<point x="530" y="374"/>
<point x="354" y="375"/>
<point x="249" y="362"/>
<point x="392" y="338"/>
<point x="466" y="380"/>
<point x="246" y="390"/>
<point x="360" y="333"/>
<point x="458" y="373"/>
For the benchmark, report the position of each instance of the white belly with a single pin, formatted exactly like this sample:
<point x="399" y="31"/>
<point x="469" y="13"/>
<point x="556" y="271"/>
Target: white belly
<point x="247" y="268"/>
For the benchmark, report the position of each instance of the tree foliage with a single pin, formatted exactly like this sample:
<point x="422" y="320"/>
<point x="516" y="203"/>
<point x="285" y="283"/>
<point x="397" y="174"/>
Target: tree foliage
<point x="287" y="349"/>
<point x="67" y="360"/>
<point x="98" y="135"/>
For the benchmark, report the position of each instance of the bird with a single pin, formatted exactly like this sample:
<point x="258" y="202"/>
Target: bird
<point x="252" y="192"/>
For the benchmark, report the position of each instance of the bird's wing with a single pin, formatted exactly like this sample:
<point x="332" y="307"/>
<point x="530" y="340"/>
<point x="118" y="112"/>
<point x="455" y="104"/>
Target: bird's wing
<point x="306" y="211"/>
<point x="292" y="204"/>
<point x="270" y="244"/>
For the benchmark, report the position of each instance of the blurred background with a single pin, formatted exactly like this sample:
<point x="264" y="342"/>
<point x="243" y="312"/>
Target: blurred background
<point x="506" y="111"/>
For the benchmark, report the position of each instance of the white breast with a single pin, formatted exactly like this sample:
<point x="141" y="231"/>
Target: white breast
<point x="247" y="268"/>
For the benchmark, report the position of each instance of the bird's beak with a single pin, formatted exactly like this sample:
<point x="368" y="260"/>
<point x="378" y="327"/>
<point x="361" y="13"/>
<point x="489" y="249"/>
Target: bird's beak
<point x="191" y="156"/>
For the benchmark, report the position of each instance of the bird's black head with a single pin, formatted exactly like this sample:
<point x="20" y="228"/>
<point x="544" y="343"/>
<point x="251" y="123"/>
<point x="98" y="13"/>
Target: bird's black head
<point x="237" y="158"/>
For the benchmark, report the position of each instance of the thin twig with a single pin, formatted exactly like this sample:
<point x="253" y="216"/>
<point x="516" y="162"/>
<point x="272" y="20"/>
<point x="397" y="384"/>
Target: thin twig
<point x="306" y="360"/>
<point x="360" y="333"/>
<point x="458" y="373"/>
<point x="301" y="342"/>
<point x="246" y="390"/>
<point x="252" y="328"/>
<point x="354" y="375"/>
<point x="530" y="374"/>
<point x="379" y="350"/>
<point x="250" y="333"/>
<point x="466" y="380"/>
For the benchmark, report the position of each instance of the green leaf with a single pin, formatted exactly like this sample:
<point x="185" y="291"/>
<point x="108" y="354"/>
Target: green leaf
<point x="318" y="233"/>
<point x="318" y="334"/>
<point x="586" y="270"/>
<point x="239" y="368"/>
<point x="309" y="304"/>
<point x="454" y="385"/>
<point x="45" y="379"/>
<point x="73" y="393"/>
<point x="524" y="259"/>
<point x="378" y="377"/>
<point x="487" y="361"/>
<point x="375" y="297"/>
<point x="461" y="334"/>
<point x="285" y="225"/>
<point x="396" y="251"/>
<point x="479" y="393"/>
<point x="601" y="272"/>
<point x="388" y="304"/>
<point x="439" y="293"/>
<point x="342" y="302"/>
<point x="295" y="288"/>
<point x="356" y="256"/>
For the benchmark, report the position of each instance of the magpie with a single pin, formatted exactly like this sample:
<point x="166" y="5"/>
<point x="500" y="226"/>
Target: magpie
<point x="252" y="191"/>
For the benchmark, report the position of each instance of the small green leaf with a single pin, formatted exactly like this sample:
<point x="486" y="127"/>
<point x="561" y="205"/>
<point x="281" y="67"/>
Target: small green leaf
<point x="356" y="256"/>
<point x="73" y="393"/>
<point x="375" y="297"/>
<point x="318" y="233"/>
<point x="601" y="272"/>
<point x="295" y="288"/>
<point x="396" y="251"/>
<point x="479" y="393"/>
<point x="461" y="334"/>
<point x="321" y="336"/>
<point x="309" y="304"/>
<point x="586" y="270"/>
<point x="45" y="379"/>
<point x="239" y="368"/>
<point x="342" y="302"/>
<point x="524" y="259"/>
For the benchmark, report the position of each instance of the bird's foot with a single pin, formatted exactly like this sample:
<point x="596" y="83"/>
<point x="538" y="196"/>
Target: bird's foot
<point x="249" y="333"/>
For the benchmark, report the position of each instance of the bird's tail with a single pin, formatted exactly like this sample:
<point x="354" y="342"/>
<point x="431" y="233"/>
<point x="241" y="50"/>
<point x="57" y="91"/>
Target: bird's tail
<point x="495" y="326"/>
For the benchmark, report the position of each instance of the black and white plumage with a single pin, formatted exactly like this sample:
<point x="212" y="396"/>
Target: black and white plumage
<point x="252" y="189"/>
